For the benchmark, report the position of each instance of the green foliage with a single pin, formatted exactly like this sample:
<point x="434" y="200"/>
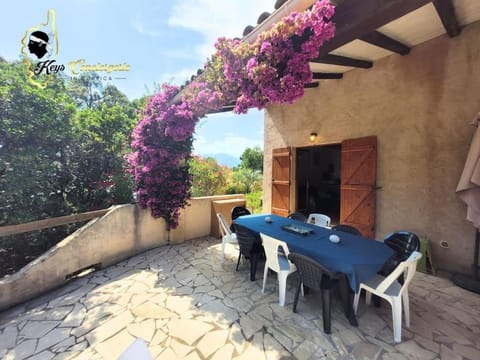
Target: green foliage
<point x="98" y="177"/>
<point x="56" y="158"/>
<point x="86" y="90"/>
<point x="208" y="177"/>
<point x="252" y="158"/>
<point x="254" y="201"/>
<point x="61" y="151"/>
<point x="36" y="131"/>
<point x="247" y="180"/>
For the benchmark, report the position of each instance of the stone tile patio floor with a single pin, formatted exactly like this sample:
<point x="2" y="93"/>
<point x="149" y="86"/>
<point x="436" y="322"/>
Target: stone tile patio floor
<point x="185" y="304"/>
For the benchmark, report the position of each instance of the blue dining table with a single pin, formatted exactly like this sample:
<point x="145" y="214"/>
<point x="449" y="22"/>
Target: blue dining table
<point x="357" y="257"/>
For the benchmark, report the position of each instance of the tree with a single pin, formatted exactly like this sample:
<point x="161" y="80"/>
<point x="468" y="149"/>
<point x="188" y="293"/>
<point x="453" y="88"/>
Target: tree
<point x="208" y="177"/>
<point x="252" y="158"/>
<point x="35" y="134"/>
<point x="86" y="90"/>
<point x="112" y="96"/>
<point x="55" y="159"/>
<point x="99" y="165"/>
<point x="247" y="180"/>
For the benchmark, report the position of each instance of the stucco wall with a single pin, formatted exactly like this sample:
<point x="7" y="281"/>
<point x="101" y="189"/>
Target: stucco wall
<point x="420" y="107"/>
<point x="124" y="231"/>
<point x="195" y="219"/>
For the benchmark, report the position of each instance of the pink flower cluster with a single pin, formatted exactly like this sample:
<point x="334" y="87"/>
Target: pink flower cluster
<point x="162" y="144"/>
<point x="276" y="65"/>
<point x="273" y="69"/>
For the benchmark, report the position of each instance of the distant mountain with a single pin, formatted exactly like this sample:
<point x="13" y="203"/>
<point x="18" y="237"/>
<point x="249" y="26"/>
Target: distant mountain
<point x="224" y="159"/>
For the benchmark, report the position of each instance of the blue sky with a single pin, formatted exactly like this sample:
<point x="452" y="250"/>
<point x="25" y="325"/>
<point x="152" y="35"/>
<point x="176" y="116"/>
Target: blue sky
<point x="162" y="41"/>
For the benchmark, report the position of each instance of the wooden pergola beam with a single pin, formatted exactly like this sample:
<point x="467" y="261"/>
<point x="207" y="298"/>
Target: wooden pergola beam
<point x="310" y="85"/>
<point x="354" y="18"/>
<point x="322" y="75"/>
<point x="381" y="40"/>
<point x="225" y="108"/>
<point x="446" y="12"/>
<point x="343" y="61"/>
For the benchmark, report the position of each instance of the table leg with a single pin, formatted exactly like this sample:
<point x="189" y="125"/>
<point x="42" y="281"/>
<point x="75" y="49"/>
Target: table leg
<point x="326" y="297"/>
<point x="347" y="299"/>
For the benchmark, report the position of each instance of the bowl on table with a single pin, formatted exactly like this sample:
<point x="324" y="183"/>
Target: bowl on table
<point x="334" y="238"/>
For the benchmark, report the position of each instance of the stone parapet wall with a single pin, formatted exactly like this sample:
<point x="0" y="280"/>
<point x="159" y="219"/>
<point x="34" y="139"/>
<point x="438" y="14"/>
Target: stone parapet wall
<point x="126" y="230"/>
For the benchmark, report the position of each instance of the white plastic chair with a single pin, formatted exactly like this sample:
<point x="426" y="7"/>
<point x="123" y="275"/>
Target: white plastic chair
<point x="278" y="262"/>
<point x="319" y="220"/>
<point x="391" y="290"/>
<point x="227" y="235"/>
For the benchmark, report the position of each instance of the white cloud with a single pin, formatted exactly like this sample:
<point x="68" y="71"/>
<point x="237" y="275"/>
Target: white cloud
<point x="216" y="18"/>
<point x="230" y="144"/>
<point x="139" y="25"/>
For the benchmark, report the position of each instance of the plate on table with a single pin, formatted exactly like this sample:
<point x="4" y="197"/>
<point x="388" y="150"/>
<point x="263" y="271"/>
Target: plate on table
<point x="297" y="229"/>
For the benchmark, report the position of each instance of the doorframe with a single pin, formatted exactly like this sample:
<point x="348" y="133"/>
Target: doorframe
<point x="293" y="175"/>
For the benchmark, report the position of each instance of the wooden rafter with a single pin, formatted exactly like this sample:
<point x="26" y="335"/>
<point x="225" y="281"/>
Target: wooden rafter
<point x="343" y="61"/>
<point x="446" y="12"/>
<point x="225" y="108"/>
<point x="378" y="39"/>
<point x="310" y="85"/>
<point x="354" y="18"/>
<point x="321" y="75"/>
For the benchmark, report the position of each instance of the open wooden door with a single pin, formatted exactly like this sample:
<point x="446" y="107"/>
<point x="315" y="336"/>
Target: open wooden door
<point x="358" y="184"/>
<point x="281" y="181"/>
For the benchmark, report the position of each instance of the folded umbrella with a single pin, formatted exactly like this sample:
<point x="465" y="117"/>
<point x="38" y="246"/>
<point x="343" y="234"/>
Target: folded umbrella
<point x="468" y="187"/>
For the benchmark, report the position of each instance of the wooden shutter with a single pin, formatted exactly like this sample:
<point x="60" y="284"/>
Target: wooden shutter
<point x="281" y="181"/>
<point x="358" y="184"/>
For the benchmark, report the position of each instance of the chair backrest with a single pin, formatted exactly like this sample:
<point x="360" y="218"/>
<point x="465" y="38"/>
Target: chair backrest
<point x="271" y="247"/>
<point x="311" y="272"/>
<point x="236" y="212"/>
<point x="222" y="224"/>
<point x="319" y="220"/>
<point x="239" y="211"/>
<point x="407" y="268"/>
<point x="403" y="243"/>
<point x="347" y="228"/>
<point x="248" y="241"/>
<point x="297" y="216"/>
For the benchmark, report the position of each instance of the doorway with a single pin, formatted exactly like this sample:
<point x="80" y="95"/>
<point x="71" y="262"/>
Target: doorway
<point x="318" y="174"/>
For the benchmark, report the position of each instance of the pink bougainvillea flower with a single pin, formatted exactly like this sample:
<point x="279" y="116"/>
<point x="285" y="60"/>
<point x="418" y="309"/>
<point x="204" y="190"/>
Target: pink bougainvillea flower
<point x="273" y="69"/>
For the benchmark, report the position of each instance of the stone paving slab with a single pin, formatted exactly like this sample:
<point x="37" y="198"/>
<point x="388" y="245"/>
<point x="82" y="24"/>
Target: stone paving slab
<point x="186" y="304"/>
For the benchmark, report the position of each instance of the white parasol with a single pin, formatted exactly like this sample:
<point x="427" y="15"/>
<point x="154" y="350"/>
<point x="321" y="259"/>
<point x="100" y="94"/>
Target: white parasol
<point x="468" y="188"/>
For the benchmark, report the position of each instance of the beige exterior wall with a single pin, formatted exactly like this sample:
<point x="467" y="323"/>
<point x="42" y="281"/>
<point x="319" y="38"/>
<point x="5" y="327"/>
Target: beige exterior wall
<point x="420" y="107"/>
<point x="195" y="219"/>
<point x="124" y="231"/>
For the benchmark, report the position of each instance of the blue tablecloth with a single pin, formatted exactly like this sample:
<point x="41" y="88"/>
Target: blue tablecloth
<point x="357" y="257"/>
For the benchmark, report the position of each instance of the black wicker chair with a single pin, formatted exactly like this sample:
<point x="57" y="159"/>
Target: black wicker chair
<point x="347" y="228"/>
<point x="297" y="216"/>
<point x="239" y="211"/>
<point x="403" y="243"/>
<point x="236" y="212"/>
<point x="315" y="276"/>
<point x="251" y="247"/>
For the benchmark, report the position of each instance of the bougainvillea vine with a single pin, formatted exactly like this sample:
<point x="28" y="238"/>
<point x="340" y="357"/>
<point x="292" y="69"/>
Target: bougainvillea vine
<point x="273" y="69"/>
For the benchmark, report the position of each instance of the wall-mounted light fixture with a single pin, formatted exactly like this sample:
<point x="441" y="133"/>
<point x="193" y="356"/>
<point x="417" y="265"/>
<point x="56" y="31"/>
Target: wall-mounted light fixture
<point x="313" y="136"/>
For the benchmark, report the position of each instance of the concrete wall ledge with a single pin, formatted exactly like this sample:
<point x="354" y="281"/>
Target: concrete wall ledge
<point x="126" y="230"/>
